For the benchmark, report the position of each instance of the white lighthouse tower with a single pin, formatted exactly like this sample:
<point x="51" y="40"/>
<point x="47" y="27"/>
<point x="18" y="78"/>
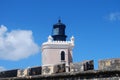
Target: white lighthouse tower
<point x="57" y="50"/>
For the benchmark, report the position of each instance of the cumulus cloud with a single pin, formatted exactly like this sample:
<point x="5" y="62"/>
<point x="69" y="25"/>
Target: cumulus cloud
<point x="114" y="16"/>
<point x="17" y="44"/>
<point x="2" y="68"/>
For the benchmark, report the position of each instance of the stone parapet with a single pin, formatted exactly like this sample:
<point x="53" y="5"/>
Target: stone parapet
<point x="84" y="75"/>
<point x="82" y="66"/>
<point x="109" y="64"/>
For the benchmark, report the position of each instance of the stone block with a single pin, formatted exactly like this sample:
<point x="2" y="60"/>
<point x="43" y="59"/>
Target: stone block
<point x="82" y="66"/>
<point x="51" y="69"/>
<point x="109" y="64"/>
<point x="35" y="70"/>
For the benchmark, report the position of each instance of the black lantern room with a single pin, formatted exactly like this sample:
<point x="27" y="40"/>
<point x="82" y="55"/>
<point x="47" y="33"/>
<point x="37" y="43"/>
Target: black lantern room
<point x="58" y="33"/>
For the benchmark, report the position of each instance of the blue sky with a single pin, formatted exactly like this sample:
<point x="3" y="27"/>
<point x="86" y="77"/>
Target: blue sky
<point x="95" y="24"/>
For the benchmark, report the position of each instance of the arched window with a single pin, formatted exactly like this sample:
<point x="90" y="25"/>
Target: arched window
<point x="62" y="55"/>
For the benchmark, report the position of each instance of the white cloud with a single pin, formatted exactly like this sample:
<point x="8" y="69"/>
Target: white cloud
<point x="114" y="16"/>
<point x="17" y="44"/>
<point x="2" y="68"/>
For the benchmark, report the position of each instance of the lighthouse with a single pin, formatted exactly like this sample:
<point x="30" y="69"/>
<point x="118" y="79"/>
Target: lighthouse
<point x="56" y="50"/>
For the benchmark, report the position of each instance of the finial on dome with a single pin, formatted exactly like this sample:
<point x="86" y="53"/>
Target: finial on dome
<point x="59" y="20"/>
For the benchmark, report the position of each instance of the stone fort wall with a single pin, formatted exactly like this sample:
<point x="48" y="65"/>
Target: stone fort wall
<point x="109" y="69"/>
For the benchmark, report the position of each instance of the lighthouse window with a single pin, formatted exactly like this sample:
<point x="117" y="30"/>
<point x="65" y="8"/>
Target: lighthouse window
<point x="62" y="55"/>
<point x="56" y="31"/>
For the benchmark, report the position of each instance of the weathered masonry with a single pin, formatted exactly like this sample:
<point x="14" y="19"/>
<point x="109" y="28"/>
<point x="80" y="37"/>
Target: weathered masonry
<point x="108" y="70"/>
<point x="84" y="75"/>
